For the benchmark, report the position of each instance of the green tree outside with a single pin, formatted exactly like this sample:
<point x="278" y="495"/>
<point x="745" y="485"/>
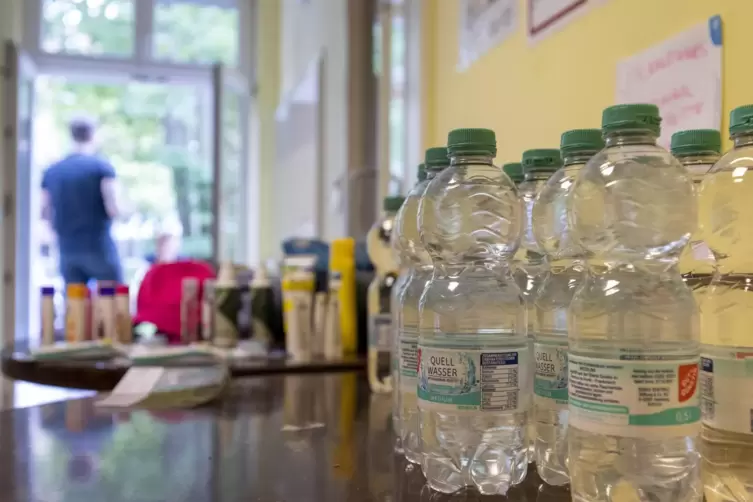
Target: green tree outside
<point x="154" y="134"/>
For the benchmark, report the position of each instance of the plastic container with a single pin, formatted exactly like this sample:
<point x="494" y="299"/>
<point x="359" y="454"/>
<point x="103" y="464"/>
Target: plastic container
<point x="75" y="313"/>
<point x="565" y="274"/>
<point x="697" y="150"/>
<point x="473" y="388"/>
<point x="725" y="208"/>
<point x="48" y="315"/>
<point x="530" y="267"/>
<point x="406" y="269"/>
<point x="634" y="415"/>
<point x="408" y="247"/>
<point x="380" y="295"/>
<point x="342" y="269"/>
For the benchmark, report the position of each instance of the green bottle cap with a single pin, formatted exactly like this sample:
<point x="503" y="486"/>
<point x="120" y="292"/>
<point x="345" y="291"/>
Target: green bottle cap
<point x="421" y="172"/>
<point x="634" y="116"/>
<point x="472" y="142"/>
<point x="541" y="159"/>
<point x="392" y="203"/>
<point x="695" y="142"/>
<point x="741" y="119"/>
<point x="581" y="141"/>
<point x="436" y="157"/>
<point x="514" y="170"/>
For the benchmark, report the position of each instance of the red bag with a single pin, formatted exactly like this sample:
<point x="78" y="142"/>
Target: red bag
<point x="158" y="300"/>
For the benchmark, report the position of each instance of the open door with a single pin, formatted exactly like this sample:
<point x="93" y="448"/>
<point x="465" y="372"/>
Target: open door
<point x="20" y="198"/>
<point x="232" y="103"/>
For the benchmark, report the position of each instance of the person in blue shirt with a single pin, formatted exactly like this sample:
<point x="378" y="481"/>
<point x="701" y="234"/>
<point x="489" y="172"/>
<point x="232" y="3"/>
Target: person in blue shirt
<point x="80" y="200"/>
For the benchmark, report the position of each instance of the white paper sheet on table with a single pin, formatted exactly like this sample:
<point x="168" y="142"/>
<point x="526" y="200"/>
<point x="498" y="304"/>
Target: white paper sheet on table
<point x="682" y="76"/>
<point x="134" y="387"/>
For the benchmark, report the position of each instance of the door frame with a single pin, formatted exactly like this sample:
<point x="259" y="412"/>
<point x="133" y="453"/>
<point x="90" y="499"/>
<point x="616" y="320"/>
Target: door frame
<point x="16" y="246"/>
<point x="226" y="79"/>
<point x="16" y="210"/>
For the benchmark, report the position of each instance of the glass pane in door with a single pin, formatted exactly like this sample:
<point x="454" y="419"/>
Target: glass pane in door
<point x="26" y="297"/>
<point x="157" y="137"/>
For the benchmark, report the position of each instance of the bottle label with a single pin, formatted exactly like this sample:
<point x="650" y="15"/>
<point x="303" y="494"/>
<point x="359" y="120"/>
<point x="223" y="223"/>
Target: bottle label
<point x="472" y="380"/>
<point x="408" y="361"/>
<point x="380" y="332"/>
<point x="634" y="397"/>
<point x="550" y="380"/>
<point x="727" y="390"/>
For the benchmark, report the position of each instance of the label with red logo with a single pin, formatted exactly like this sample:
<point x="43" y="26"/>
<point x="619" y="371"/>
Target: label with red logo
<point x="634" y="396"/>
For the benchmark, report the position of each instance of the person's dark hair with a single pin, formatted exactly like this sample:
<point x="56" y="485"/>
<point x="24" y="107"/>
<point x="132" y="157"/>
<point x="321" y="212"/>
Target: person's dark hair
<point x="82" y="129"/>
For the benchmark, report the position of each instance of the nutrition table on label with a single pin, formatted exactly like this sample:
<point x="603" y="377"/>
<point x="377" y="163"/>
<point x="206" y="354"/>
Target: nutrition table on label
<point x="500" y="377"/>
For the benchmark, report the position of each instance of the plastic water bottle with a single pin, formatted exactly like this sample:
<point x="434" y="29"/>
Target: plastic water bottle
<point x="697" y="150"/>
<point x="473" y="389"/>
<point x="527" y="285"/>
<point x="538" y="166"/>
<point x="531" y="267"/>
<point x="725" y="208"/>
<point x="379" y="297"/>
<point x="406" y="268"/>
<point x="409" y="246"/>
<point x="514" y="170"/>
<point x="634" y="415"/>
<point x="565" y="274"/>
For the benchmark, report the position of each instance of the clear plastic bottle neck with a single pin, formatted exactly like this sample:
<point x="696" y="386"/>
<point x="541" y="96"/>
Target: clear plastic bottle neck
<point x="698" y="164"/>
<point x="432" y="172"/>
<point x="624" y="137"/>
<point x="743" y="139"/>
<point x="577" y="158"/>
<point x="537" y="175"/>
<point x="477" y="159"/>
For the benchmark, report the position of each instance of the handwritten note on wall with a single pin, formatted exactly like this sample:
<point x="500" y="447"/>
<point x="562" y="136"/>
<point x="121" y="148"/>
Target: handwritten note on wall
<point x="682" y="76"/>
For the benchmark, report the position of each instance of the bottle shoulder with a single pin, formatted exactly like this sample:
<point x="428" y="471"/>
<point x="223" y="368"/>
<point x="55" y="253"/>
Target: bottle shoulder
<point x="737" y="158"/>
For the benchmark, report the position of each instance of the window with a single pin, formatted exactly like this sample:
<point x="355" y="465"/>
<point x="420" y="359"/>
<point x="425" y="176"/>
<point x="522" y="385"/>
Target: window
<point x="153" y="134"/>
<point x="88" y="27"/>
<point x="397" y="111"/>
<point x="188" y="31"/>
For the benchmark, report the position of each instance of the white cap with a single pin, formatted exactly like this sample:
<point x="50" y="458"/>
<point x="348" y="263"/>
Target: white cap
<point x="261" y="278"/>
<point x="226" y="275"/>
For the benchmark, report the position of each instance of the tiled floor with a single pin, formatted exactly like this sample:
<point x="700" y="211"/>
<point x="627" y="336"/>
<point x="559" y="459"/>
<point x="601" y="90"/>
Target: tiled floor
<point x="23" y="394"/>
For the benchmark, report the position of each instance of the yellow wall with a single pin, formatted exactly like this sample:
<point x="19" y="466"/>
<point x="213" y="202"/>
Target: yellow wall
<point x="529" y="94"/>
<point x="268" y="82"/>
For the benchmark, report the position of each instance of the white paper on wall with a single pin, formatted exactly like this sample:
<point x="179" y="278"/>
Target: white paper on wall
<point x="682" y="76"/>
<point x="483" y="25"/>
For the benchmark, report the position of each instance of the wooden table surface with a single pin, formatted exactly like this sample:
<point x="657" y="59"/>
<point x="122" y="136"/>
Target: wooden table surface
<point x="295" y="438"/>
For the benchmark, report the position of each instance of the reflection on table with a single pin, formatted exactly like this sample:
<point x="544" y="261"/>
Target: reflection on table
<point x="103" y="374"/>
<point x="272" y="439"/>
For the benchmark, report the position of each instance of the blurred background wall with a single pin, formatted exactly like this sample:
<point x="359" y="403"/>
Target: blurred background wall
<point x="530" y="93"/>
